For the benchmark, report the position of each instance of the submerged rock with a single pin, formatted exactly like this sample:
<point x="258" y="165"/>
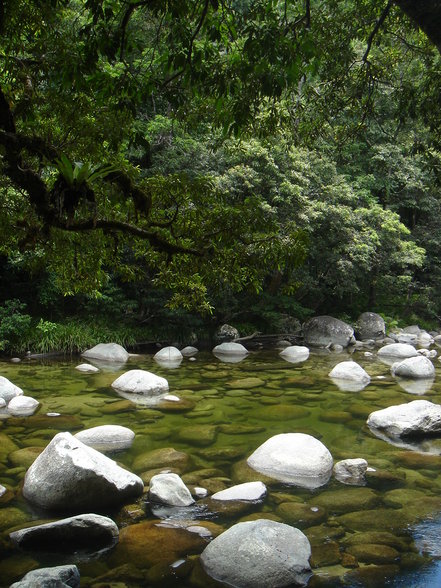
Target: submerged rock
<point x="66" y="576"/>
<point x="294" y="458"/>
<point x="247" y="491"/>
<point x="141" y="382"/>
<point x="107" y="352"/>
<point x="68" y="475"/>
<point x="88" y="531"/>
<point x="8" y="390"/>
<point x="321" y="331"/>
<point x="107" y="437"/>
<point x="419" y="417"/>
<point x="259" y="554"/>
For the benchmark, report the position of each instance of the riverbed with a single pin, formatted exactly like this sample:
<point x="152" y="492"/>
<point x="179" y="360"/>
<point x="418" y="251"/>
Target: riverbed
<point x="363" y="535"/>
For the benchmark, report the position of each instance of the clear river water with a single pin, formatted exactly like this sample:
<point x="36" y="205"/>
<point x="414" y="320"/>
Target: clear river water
<point x="385" y="533"/>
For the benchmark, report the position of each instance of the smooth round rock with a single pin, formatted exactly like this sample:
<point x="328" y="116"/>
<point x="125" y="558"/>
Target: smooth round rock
<point x="141" y="382"/>
<point x="22" y="406"/>
<point x="295" y="353"/>
<point x="350" y="370"/>
<point x="189" y="351"/>
<point x="248" y="491"/>
<point x="86" y="531"/>
<point x="107" y="437"/>
<point x="87" y="368"/>
<point x="107" y="352"/>
<point x="414" y="368"/>
<point x="230" y="348"/>
<point x="419" y="417"/>
<point x="259" y="554"/>
<point x="8" y="390"/>
<point x="321" y="331"/>
<point x="169" y="489"/>
<point x="169" y="353"/>
<point x="370" y="325"/>
<point x="397" y="350"/>
<point x="68" y="475"/>
<point x="294" y="458"/>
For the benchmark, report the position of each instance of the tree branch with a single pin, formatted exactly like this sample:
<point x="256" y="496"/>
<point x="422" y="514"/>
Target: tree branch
<point x="377" y="27"/>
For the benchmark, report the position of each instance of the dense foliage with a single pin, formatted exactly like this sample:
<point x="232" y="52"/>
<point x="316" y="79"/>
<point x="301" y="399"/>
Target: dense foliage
<point x="245" y="159"/>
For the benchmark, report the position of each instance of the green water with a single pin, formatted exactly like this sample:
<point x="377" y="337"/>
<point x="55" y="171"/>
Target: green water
<point x="360" y="536"/>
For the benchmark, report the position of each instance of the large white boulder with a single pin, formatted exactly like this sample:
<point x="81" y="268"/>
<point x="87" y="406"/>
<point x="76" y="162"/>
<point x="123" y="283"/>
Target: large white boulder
<point x="322" y="331"/>
<point x="107" y="437"/>
<point x="230" y="348"/>
<point x="141" y="382"/>
<point x="295" y="353"/>
<point x="168" y="354"/>
<point x="8" y="390"/>
<point x="85" y="531"/>
<point x="259" y="554"/>
<point x="68" y="475"/>
<point x="66" y="576"/>
<point x="419" y="417"/>
<point x="169" y="489"/>
<point x="397" y="350"/>
<point x="419" y="367"/>
<point x="107" y="352"/>
<point x="22" y="406"/>
<point x="350" y="370"/>
<point x="249" y="491"/>
<point x="294" y="458"/>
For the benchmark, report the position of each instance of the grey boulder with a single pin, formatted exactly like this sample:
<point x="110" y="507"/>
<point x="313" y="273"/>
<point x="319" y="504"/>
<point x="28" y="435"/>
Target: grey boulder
<point x="169" y="489"/>
<point x="350" y="370"/>
<point x="8" y="390"/>
<point x="402" y="350"/>
<point x="226" y="333"/>
<point x="416" y="418"/>
<point x="370" y="325"/>
<point x="107" y="437"/>
<point x="141" y="382"/>
<point x="322" y="331"/>
<point x="82" y="532"/>
<point x="259" y="554"/>
<point x="419" y="367"/>
<point x="22" y="406"/>
<point x="70" y="476"/>
<point x="66" y="576"/>
<point x="294" y="458"/>
<point x="351" y="471"/>
<point x="295" y="353"/>
<point x="107" y="352"/>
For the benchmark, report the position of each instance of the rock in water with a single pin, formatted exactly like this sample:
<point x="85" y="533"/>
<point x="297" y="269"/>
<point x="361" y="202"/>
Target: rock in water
<point x="414" y="368"/>
<point x="8" y="390"/>
<point x="259" y="554"/>
<point x="168" y="354"/>
<point x="88" y="531"/>
<point x="397" y="350"/>
<point x="294" y="458"/>
<point x="107" y="437"/>
<point x="350" y="370"/>
<point x="141" y="382"/>
<point x="419" y="417"/>
<point x="69" y="476"/>
<point x="107" y="352"/>
<point x="169" y="489"/>
<point x="59" y="577"/>
<point x="321" y="331"/>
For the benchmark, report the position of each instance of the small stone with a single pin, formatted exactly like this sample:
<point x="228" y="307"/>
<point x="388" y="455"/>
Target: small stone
<point x="169" y="489"/>
<point x="87" y="368"/>
<point x="247" y="491"/>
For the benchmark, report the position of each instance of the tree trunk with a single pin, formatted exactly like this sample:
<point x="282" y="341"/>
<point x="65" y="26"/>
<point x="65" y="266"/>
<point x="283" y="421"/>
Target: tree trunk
<point x="427" y="15"/>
